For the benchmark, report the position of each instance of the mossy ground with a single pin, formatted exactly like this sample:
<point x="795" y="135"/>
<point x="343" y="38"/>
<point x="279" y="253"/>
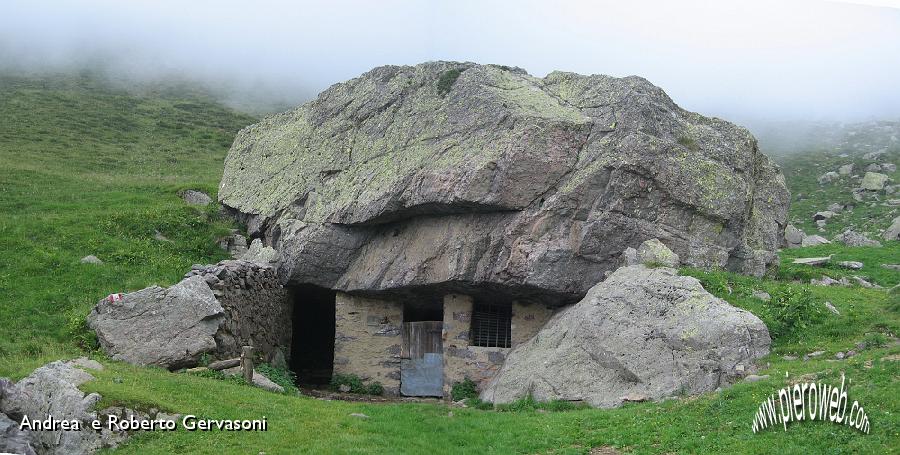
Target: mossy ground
<point x="88" y="170"/>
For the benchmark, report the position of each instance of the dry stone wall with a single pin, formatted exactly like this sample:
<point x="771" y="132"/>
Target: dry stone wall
<point x="257" y="307"/>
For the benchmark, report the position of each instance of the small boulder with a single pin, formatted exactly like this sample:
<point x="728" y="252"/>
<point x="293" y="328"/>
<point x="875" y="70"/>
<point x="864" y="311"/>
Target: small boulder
<point x="756" y="378"/>
<point x="873" y="181"/>
<point x="91" y="259"/>
<point x="832" y="308"/>
<point x="888" y="167"/>
<point x="793" y="237"/>
<point x="828" y="177"/>
<point x="762" y="295"/>
<point x="892" y="232"/>
<point x="813" y="240"/>
<point x="853" y="238"/>
<point x="862" y="282"/>
<point x="823" y="215"/>
<point x="846" y="169"/>
<point x="654" y="252"/>
<point x="874" y="167"/>
<point x="260" y="254"/>
<point x="852" y="265"/>
<point x="813" y="261"/>
<point x="170" y="328"/>
<point x="195" y="197"/>
<point x="825" y="281"/>
<point x="836" y="208"/>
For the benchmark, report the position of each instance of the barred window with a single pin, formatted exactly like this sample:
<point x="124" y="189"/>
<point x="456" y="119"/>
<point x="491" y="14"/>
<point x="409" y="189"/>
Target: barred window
<point x="491" y="325"/>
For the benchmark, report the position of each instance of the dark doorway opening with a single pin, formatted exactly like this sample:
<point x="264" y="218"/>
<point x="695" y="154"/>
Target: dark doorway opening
<point x="312" y="343"/>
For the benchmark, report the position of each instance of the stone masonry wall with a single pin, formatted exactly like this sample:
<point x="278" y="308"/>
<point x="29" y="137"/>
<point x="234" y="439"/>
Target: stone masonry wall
<point x="367" y="340"/>
<point x="480" y="364"/>
<point x="257" y="307"/>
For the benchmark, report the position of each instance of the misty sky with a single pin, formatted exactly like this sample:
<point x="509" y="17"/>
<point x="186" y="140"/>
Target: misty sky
<point x="776" y="60"/>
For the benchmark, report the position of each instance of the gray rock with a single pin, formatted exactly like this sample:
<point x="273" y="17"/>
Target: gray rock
<point x="874" y="181"/>
<point x="91" y="259"/>
<point x="653" y="252"/>
<point x="828" y="177"/>
<point x="813" y="240"/>
<point x="158" y="236"/>
<point x="874" y="167"/>
<point x="876" y="155"/>
<point x="790" y="357"/>
<point x="359" y="415"/>
<point x="892" y="232"/>
<point x="13" y="440"/>
<point x="824" y="215"/>
<point x="629" y="257"/>
<point x="195" y="197"/>
<point x="643" y="331"/>
<point x="813" y="261"/>
<point x="756" y="378"/>
<point x="384" y="183"/>
<point x="170" y="328"/>
<point x="891" y="266"/>
<point x="825" y="281"/>
<point x="793" y="237"/>
<point x="235" y="245"/>
<point x="853" y="238"/>
<point x="344" y="388"/>
<point x="260" y="380"/>
<point x="889" y="167"/>
<point x="762" y="295"/>
<point x="86" y="363"/>
<point x="53" y="390"/>
<point x="261" y="254"/>
<point x="836" y="208"/>
<point x="846" y="169"/>
<point x="223" y="364"/>
<point x="862" y="282"/>
<point x="852" y="265"/>
<point x="832" y="308"/>
<point x="839" y="356"/>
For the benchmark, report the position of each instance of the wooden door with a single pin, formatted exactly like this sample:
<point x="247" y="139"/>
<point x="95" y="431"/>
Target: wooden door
<point x="422" y="361"/>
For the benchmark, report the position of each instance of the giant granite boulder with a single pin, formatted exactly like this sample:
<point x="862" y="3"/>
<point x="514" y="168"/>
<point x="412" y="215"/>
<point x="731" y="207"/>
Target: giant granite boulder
<point x="484" y="177"/>
<point x="167" y="327"/>
<point x="644" y="333"/>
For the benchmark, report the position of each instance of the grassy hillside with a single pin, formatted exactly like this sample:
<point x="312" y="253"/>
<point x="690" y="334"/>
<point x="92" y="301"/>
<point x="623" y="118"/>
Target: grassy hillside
<point x="85" y="169"/>
<point x="89" y="170"/>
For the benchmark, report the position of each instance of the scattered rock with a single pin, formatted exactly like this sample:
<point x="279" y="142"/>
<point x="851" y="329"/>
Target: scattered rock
<point x="158" y="236"/>
<point x="853" y="238"/>
<point x="359" y="415"/>
<point x="260" y="254"/>
<point x="756" y="378"/>
<point x="852" y="265"/>
<point x="235" y="244"/>
<point x="824" y="215"/>
<point x="653" y="252"/>
<point x="862" y="282"/>
<point x="846" y="169"/>
<point x="889" y="167"/>
<point x="832" y="308"/>
<point x="891" y="266"/>
<point x="813" y="240"/>
<point x="344" y="388"/>
<point x="793" y="237"/>
<point x="53" y="390"/>
<point x="850" y="353"/>
<point x="195" y="197"/>
<point x="790" y="357"/>
<point x="828" y="177"/>
<point x="621" y="339"/>
<point x="893" y="232"/>
<point x="874" y="181"/>
<point x="874" y="167"/>
<point x="839" y="356"/>
<point x="815" y="354"/>
<point x="876" y="155"/>
<point x="262" y="381"/>
<point x="634" y="398"/>
<point x="835" y="208"/>
<point x="170" y="328"/>
<point x="813" y="261"/>
<point x="825" y="281"/>
<point x="91" y="259"/>
<point x="762" y="295"/>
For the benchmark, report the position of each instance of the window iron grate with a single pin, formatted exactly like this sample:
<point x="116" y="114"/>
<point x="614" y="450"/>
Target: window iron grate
<point x="491" y="325"/>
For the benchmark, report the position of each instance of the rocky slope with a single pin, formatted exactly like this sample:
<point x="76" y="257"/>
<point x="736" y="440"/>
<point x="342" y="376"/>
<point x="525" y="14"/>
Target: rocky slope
<point x="484" y="177"/>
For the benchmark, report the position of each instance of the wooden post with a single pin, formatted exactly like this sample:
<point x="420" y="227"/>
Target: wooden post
<point x="247" y="363"/>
